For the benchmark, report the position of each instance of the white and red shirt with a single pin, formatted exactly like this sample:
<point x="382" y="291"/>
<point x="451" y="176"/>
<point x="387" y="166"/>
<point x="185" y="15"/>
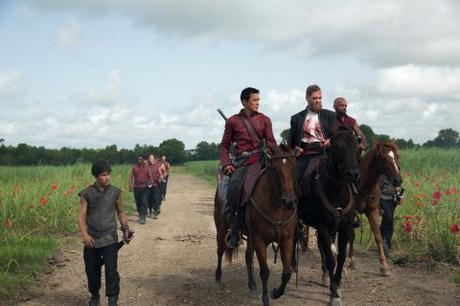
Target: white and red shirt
<point x="312" y="128"/>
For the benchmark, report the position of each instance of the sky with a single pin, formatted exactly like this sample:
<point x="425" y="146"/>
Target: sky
<point x="93" y="73"/>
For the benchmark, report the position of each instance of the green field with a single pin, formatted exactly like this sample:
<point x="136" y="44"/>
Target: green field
<point x="39" y="206"/>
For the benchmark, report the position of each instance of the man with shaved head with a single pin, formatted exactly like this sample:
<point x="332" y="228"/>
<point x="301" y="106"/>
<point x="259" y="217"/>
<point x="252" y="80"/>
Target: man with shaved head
<point x="340" y="106"/>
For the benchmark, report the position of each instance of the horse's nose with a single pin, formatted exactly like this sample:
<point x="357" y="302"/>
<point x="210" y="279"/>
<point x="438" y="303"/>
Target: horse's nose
<point x="289" y="202"/>
<point x="352" y="175"/>
<point x="396" y="181"/>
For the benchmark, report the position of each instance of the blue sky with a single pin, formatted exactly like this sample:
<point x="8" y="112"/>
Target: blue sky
<point x="95" y="73"/>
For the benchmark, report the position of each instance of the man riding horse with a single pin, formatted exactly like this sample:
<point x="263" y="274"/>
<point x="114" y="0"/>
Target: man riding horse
<point x="247" y="130"/>
<point x="310" y="130"/>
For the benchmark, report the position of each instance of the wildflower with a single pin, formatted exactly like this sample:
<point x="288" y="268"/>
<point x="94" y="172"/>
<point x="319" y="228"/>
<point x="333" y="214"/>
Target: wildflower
<point x="417" y="184"/>
<point x="54" y="187"/>
<point x="8" y="223"/>
<point x="408" y="217"/>
<point x="43" y="201"/>
<point x="434" y="202"/>
<point x="437" y="195"/>
<point x="453" y="189"/>
<point x="408" y="226"/>
<point x="419" y="203"/>
<point x="455" y="229"/>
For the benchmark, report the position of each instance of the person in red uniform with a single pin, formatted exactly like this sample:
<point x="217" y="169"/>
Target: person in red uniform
<point x="340" y="107"/>
<point x="138" y="180"/>
<point x="248" y="151"/>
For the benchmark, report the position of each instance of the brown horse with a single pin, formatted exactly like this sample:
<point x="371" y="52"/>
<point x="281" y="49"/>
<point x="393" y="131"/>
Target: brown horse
<point x="331" y="208"/>
<point x="270" y="216"/>
<point x="382" y="159"/>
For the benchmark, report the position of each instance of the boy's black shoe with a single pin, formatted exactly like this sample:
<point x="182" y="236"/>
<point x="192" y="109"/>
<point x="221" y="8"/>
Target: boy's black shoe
<point x="113" y="300"/>
<point x="94" y="301"/>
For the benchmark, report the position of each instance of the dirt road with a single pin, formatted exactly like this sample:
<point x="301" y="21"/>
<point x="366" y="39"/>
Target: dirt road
<point x="172" y="259"/>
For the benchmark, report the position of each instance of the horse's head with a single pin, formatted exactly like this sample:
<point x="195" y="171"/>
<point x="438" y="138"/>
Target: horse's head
<point x="388" y="161"/>
<point x="343" y="154"/>
<point x="281" y="175"/>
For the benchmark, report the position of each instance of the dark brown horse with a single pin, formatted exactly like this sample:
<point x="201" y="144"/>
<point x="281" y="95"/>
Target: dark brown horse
<point x="330" y="208"/>
<point x="382" y="159"/>
<point x="270" y="216"/>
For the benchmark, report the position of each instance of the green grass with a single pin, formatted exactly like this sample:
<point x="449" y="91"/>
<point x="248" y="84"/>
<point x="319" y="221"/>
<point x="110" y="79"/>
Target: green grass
<point x="204" y="169"/>
<point x="38" y="209"/>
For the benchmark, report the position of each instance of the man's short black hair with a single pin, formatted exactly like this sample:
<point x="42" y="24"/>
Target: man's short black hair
<point x="246" y="93"/>
<point x="312" y="88"/>
<point x="99" y="167"/>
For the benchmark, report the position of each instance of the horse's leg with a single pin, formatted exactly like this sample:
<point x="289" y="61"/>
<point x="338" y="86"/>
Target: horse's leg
<point x="324" y="240"/>
<point x="352" y="264"/>
<point x="324" y="278"/>
<point x="220" y="228"/>
<point x="342" y="245"/>
<point x="249" y="256"/>
<point x="287" y="247"/>
<point x="261" y="251"/>
<point x="373" y="216"/>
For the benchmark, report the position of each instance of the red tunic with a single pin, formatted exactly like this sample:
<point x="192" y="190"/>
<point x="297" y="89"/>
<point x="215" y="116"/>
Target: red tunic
<point x="139" y="176"/>
<point x="154" y="174"/>
<point x="236" y="131"/>
<point x="346" y="121"/>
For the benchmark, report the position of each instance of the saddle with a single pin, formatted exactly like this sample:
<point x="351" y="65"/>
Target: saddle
<point x="250" y="179"/>
<point x="305" y="185"/>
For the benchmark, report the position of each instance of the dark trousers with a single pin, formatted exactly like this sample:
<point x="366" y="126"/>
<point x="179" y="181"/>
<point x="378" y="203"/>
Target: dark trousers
<point x="94" y="258"/>
<point x="234" y="190"/>
<point x="386" y="227"/>
<point x="154" y="198"/>
<point x="140" y="196"/>
<point x="163" y="187"/>
<point x="302" y="164"/>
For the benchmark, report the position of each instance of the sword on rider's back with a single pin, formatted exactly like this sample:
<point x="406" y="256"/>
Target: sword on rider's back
<point x="222" y="114"/>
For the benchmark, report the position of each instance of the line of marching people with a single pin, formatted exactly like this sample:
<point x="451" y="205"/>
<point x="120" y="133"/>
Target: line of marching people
<point x="148" y="181"/>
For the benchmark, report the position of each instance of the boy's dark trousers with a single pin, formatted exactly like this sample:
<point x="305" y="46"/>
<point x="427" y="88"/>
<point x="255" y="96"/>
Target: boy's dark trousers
<point x="386" y="227"/>
<point x="94" y="258"/>
<point x="140" y="196"/>
<point x="154" y="198"/>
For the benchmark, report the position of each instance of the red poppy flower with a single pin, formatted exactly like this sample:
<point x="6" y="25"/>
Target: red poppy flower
<point x="43" y="201"/>
<point x="437" y="195"/>
<point x="408" y="226"/>
<point x="53" y="187"/>
<point x="455" y="229"/>
<point x="8" y="223"/>
<point x="434" y="202"/>
<point x="419" y="203"/>
<point x="417" y="184"/>
<point x="453" y="190"/>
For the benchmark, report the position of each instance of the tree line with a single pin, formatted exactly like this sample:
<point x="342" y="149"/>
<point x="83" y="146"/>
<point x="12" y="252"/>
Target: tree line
<point x="174" y="149"/>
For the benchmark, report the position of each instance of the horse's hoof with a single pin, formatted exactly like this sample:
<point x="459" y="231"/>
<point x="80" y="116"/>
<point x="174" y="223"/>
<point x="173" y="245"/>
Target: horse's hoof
<point x="252" y="288"/>
<point x="275" y="294"/>
<point x="336" y="301"/>
<point x="265" y="301"/>
<point x="385" y="271"/>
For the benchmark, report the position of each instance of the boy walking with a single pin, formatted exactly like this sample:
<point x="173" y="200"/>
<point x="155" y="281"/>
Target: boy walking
<point x="99" y="205"/>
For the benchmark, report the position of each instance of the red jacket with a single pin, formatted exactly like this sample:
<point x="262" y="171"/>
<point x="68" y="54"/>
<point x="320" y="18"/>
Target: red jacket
<point x="236" y="131"/>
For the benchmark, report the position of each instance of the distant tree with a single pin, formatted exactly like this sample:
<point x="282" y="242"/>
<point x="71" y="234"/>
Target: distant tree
<point x="173" y="149"/>
<point x="447" y="138"/>
<point x="284" y="135"/>
<point x="2" y="140"/>
<point x="206" y="151"/>
<point x="369" y="133"/>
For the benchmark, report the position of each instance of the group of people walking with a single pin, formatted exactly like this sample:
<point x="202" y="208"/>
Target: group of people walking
<point x="148" y="181"/>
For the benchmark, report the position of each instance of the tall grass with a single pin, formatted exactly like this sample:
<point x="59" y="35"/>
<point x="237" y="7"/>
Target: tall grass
<point x="426" y="223"/>
<point x="37" y="206"/>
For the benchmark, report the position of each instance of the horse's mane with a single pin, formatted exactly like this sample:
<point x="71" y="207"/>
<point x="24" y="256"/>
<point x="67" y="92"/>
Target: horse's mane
<point x="385" y="145"/>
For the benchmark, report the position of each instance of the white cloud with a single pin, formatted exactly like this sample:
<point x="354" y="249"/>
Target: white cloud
<point x="68" y="35"/>
<point x="386" y="33"/>
<point x="11" y="83"/>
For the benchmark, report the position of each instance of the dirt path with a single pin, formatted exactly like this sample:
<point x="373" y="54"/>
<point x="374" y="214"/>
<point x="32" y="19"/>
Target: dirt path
<point x="172" y="259"/>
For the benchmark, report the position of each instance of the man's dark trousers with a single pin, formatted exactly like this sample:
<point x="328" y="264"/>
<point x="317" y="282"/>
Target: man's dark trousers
<point x="234" y="191"/>
<point x="94" y="258"/>
<point x="154" y="198"/>
<point x="386" y="227"/>
<point x="302" y="164"/>
<point x="140" y="196"/>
